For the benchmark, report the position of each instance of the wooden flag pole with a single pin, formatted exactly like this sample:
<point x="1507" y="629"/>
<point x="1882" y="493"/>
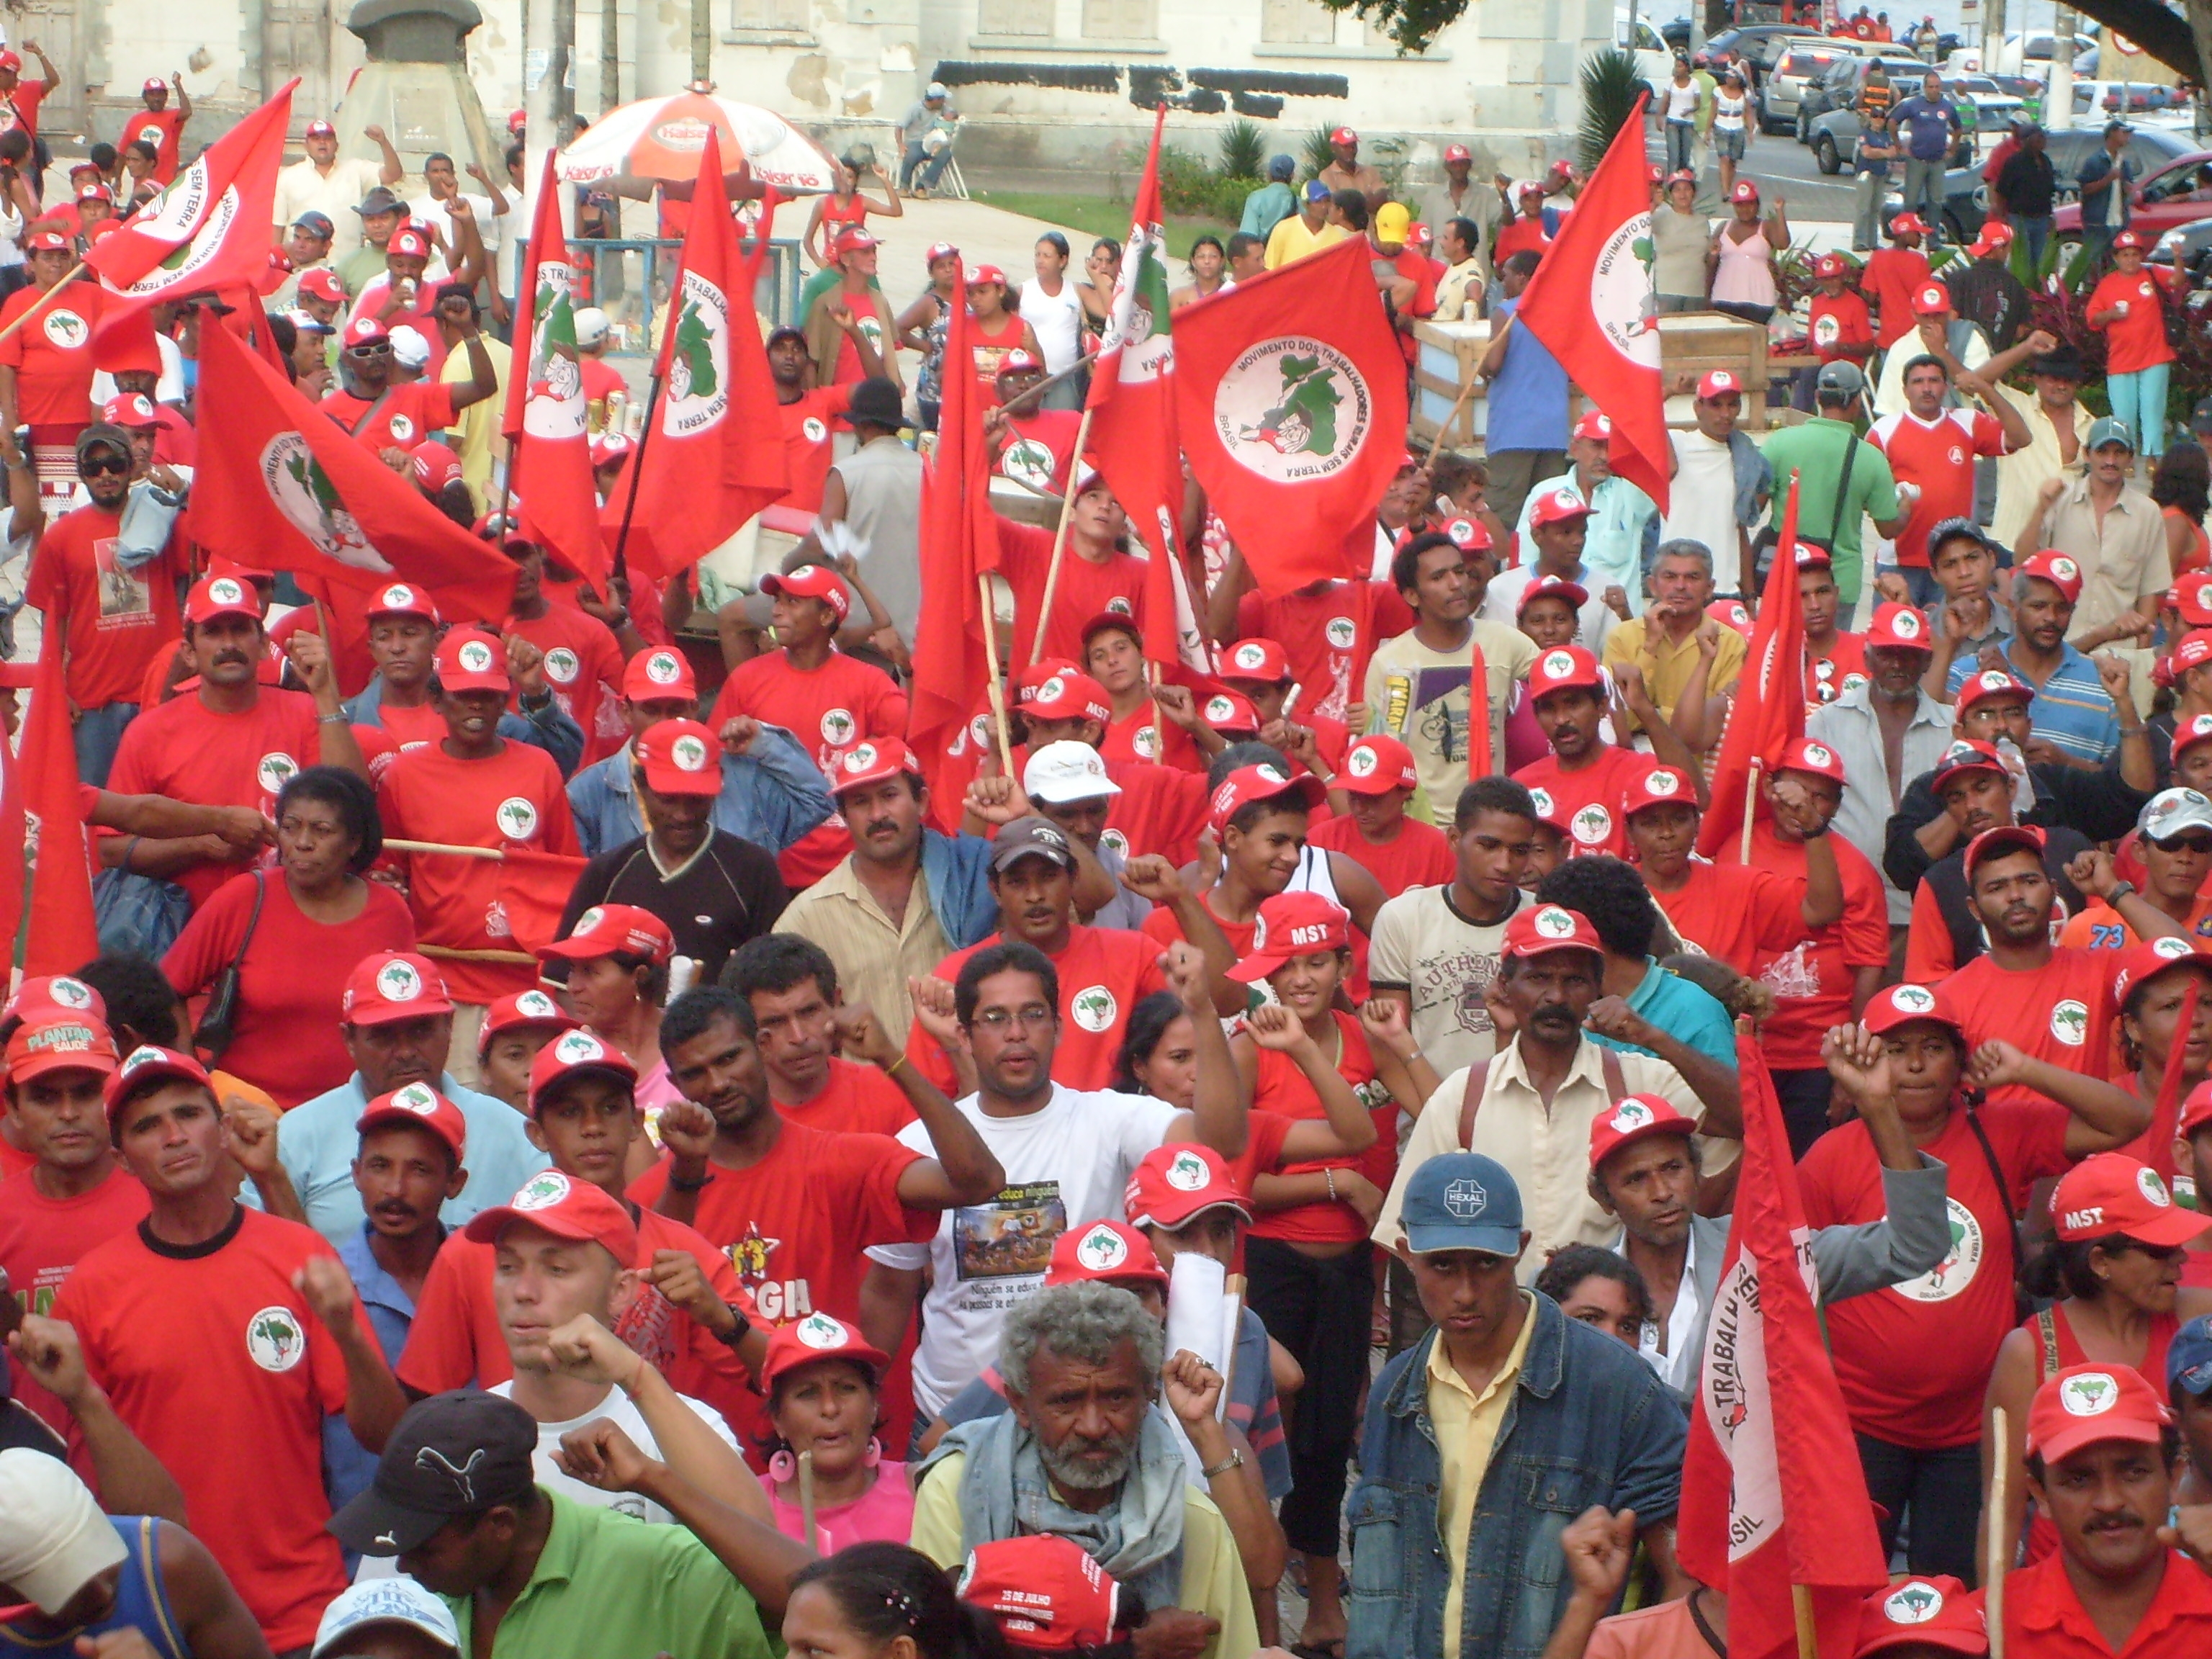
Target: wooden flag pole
<point x="1993" y="1570"/>
<point x="991" y="667"/>
<point x="806" y="1502"/>
<point x="1058" y="544"/>
<point x="44" y="300"/>
<point x="1809" y="1637"/>
<point x="1750" y="804"/>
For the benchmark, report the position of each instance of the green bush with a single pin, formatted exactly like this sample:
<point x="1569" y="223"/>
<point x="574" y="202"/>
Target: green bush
<point x="1316" y="150"/>
<point x="1243" y="149"/>
<point x="1189" y="186"/>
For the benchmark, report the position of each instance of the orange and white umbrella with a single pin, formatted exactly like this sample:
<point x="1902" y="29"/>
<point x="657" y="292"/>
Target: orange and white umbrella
<point x="663" y="138"/>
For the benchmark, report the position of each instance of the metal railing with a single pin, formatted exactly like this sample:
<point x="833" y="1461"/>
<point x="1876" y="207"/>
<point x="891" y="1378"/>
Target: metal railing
<point x="627" y="278"/>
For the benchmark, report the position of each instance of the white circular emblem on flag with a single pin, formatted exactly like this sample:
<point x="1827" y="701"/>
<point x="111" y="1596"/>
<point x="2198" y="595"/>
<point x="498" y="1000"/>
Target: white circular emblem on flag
<point x="397" y="981"/>
<point x="1360" y="763"/>
<point x="517" y="817"/>
<point x="562" y="666"/>
<point x="663" y="668"/>
<point x="838" y="727"/>
<point x="415" y="1098"/>
<point x="1186" y="1172"/>
<point x="1293" y="409"/>
<point x="2153" y="1190"/>
<point x="688" y="754"/>
<point x="820" y="1331"/>
<point x="1914" y="1602"/>
<point x="66" y="328"/>
<point x="1621" y="300"/>
<point x="699" y="363"/>
<point x="2089" y="1394"/>
<point x="1557" y="663"/>
<point x="2069" y="1022"/>
<point x="1101" y="1249"/>
<point x="1341" y="633"/>
<point x="1093" y="1008"/>
<point x="540" y="1192"/>
<point x="1552" y="922"/>
<point x="274" y="1340"/>
<point x="1819" y="756"/>
<point x="474" y="656"/>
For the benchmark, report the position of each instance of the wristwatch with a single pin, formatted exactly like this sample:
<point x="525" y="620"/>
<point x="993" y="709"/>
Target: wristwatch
<point x="738" y="1330"/>
<point x="1234" y="1461"/>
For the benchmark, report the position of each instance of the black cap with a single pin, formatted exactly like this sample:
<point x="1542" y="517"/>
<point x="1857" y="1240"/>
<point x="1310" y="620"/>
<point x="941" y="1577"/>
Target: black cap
<point x="1031" y="837"/>
<point x="454" y="1454"/>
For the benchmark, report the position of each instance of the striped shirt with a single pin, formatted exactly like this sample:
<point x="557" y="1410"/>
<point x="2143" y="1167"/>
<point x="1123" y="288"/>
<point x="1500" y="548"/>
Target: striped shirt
<point x="2072" y="709"/>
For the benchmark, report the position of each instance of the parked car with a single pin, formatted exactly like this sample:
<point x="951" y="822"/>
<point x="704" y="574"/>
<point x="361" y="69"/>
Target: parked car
<point x="1763" y="44"/>
<point x="2027" y="54"/>
<point x="1653" y="61"/>
<point x="2178" y="191"/>
<point x="2154" y="151"/>
<point x="1799" y="65"/>
<point x="1676" y="34"/>
<point x="1837" y="87"/>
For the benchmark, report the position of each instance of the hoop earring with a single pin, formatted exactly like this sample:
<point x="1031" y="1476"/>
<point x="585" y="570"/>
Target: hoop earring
<point x="782" y="1466"/>
<point x="874" y="1454"/>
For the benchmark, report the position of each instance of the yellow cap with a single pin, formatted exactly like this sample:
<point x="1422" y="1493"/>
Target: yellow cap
<point x="1392" y="220"/>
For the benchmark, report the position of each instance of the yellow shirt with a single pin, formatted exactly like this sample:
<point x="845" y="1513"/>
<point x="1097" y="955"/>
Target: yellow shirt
<point x="1290" y="239"/>
<point x="1466" y="1427"/>
<point x="1667" y="668"/>
<point x="477" y="427"/>
<point x="874" y="958"/>
<point x="1212" y="1574"/>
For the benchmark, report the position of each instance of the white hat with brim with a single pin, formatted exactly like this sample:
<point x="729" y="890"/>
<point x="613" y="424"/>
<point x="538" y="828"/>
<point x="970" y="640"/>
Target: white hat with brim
<point x="53" y="1538"/>
<point x="385" y="1602"/>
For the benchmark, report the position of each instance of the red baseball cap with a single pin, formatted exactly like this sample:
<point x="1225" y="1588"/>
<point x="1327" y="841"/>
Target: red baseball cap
<point x="1662" y="786"/>
<point x="1809" y="754"/>
<point x="1811" y="555"/>
<point x="404" y="599"/>
<point x="1594" y="426"/>
<point x="1901" y="1004"/>
<point x="2195" y="649"/>
<point x="978" y="274"/>
<point x="46" y="241"/>
<point x="1468" y="535"/>
<point x="321" y="283"/>
<point x="1830" y="264"/>
<point x="2145" y="960"/>
<point x="1111" y="1251"/>
<point x="576" y="1054"/>
<point x="1458" y="153"/>
<point x="1718" y="382"/>
<point x="1263" y="783"/>
<point x="608" y="930"/>
<point x="1121" y="619"/>
<point x="817" y="1337"/>
<point x="142" y="1068"/>
<point x="680" y="757"/>
<point x="1558" y="506"/>
<point x="437" y="465"/>
<point x="1995" y="843"/>
<point x="222" y="596"/>
<point x="1256" y="659"/>
<point x="609" y="447"/>
<point x="393" y="984"/>
<point x="1069" y="694"/>
<point x="2086" y="1404"/>
<point x="872" y="761"/>
<point x="1343" y="136"/>
<point x="325" y="129"/>
<point x="1907" y="221"/>
<point x="812" y="581"/>
<point x="2196" y="1110"/>
<point x="854" y="240"/>
<point x="1730" y="614"/>
<point x="519" y="1008"/>
<point x="1376" y="765"/>
<point x="131" y="409"/>
<point x="1981" y="686"/>
<point x="1965" y="754"/>
<point x="1178" y="1180"/>
<point x="939" y="251"/>
<point x="155" y="83"/>
<point x="2192" y="596"/>
<point x="660" y="674"/>
<point x="1019" y="361"/>
<point x="1552" y="587"/>
<point x="2113" y="1193"/>
<point x="52" y="996"/>
<point x="1930" y="300"/>
<point x="409" y="242"/>
<point x="363" y="331"/>
<point x="2188" y="733"/>
<point x="423" y="1108"/>
<point x="1634" y="1118"/>
<point x="1923" y="1612"/>
<point x="566" y="1208"/>
<point x="1538" y="929"/>
<point x="2060" y="571"/>
<point x="2126" y="239"/>
<point x="1565" y="668"/>
<point x="1230" y="712"/>
<point x="1046" y="1592"/>
<point x="71" y="1042"/>
<point x="1293" y="925"/>
<point x="470" y="660"/>
<point x="1898" y="626"/>
<point x="1745" y="191"/>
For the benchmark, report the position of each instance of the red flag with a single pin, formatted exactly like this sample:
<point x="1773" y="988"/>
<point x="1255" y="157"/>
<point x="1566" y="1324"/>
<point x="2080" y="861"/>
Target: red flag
<point x="282" y="486"/>
<point x="210" y="228"/>
<point x="549" y="474"/>
<point x="959" y="541"/>
<point x="42" y="825"/>
<point x="1591" y="302"/>
<point x="1773" y="1496"/>
<point x="533" y="890"/>
<point x="715" y="456"/>
<point x="1291" y="396"/>
<point x="1132" y="426"/>
<point x="1768" y="713"/>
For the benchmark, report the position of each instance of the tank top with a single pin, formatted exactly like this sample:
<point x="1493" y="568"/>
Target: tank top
<point x="839" y="216"/>
<point x="1727" y="113"/>
<point x="1057" y="321"/>
<point x="2200" y="545"/>
<point x="883" y="1513"/>
<point x="1746" y="275"/>
<point x="141" y="1601"/>
<point x="2057" y="1347"/>
<point x="990" y="350"/>
<point x="1315" y="875"/>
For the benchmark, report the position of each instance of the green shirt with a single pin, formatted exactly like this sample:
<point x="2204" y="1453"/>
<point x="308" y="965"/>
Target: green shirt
<point x="1816" y="451"/>
<point x="606" y="1585"/>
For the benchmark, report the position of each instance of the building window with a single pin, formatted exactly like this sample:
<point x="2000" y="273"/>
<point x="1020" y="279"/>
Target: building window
<point x="1014" y="17"/>
<point x="1297" y="23"/>
<point x="786" y="15"/>
<point x="1120" y="20"/>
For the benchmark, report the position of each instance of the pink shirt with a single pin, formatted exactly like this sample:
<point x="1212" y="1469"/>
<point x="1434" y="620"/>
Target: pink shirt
<point x="883" y="1513"/>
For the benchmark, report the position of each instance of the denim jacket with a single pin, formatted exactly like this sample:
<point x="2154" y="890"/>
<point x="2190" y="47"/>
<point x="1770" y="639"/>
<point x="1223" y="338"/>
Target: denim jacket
<point x="546" y="728"/>
<point x="1590" y="1423"/>
<point x="771" y="795"/>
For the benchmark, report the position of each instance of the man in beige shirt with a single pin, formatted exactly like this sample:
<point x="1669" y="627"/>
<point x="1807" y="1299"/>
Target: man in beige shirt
<point x="1673" y="638"/>
<point x="2056" y="425"/>
<point x="2114" y="531"/>
<point x="1345" y="172"/>
<point x="1535" y="1101"/>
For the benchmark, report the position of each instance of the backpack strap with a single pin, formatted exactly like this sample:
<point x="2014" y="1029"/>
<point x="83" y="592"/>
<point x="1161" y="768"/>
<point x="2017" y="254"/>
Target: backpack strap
<point x="1477" y="1076"/>
<point x="2046" y="1331"/>
<point x="1616" y="1080"/>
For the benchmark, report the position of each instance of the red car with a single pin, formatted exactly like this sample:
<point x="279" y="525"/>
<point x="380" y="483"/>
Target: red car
<point x="2178" y="192"/>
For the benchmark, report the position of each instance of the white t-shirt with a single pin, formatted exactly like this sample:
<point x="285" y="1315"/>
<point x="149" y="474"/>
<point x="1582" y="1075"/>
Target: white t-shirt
<point x="1682" y="101"/>
<point x="169" y="389"/>
<point x="432" y="211"/>
<point x="621" y="1410"/>
<point x="1066" y="1163"/>
<point x="1057" y="321"/>
<point x="1446" y="963"/>
<point x="1701" y="504"/>
<point x="1501" y="601"/>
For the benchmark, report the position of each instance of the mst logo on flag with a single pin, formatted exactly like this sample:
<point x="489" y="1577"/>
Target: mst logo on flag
<point x="1622" y="298"/>
<point x="304" y="494"/>
<point x="1293" y="409"/>
<point x="554" y="407"/>
<point x="196" y="215"/>
<point x="699" y="365"/>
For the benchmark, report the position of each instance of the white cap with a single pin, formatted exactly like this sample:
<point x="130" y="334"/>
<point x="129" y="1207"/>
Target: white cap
<point x="1066" y="771"/>
<point x="410" y="348"/>
<point x="591" y="326"/>
<point x="2170" y="812"/>
<point x="936" y="89"/>
<point x="385" y="1602"/>
<point x="53" y="1538"/>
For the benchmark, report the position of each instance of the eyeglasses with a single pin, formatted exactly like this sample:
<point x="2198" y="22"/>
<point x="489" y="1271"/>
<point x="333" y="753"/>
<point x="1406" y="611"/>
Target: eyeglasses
<point x="93" y="466"/>
<point x="2199" y="844"/>
<point x="2159" y="1253"/>
<point x="998" y="1021"/>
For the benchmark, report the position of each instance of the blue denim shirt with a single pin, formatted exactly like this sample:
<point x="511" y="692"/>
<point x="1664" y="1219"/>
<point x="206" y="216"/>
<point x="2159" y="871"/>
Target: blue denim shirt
<point x="349" y="1466"/>
<point x="1588" y="1423"/>
<point x="771" y="796"/>
<point x="546" y="728"/>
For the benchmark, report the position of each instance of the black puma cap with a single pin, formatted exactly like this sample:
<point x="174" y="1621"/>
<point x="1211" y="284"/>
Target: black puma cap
<point x="454" y="1454"/>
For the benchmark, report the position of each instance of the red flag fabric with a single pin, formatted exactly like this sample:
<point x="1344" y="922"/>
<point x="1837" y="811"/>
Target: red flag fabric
<point x="1290" y="398"/>
<point x="210" y="228"/>
<point x="1132" y="426"/>
<point x="550" y="473"/>
<point x="1768" y="713"/>
<point x="282" y="486"/>
<point x="1592" y="304"/>
<point x="1773" y="1496"/>
<point x="533" y="890"/>
<point x="42" y="822"/>
<point x="959" y="541"/>
<point x="715" y="456"/>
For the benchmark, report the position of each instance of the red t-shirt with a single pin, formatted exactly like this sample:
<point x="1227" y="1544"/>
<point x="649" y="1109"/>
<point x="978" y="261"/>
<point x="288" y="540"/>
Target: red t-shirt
<point x="1843" y="668"/>
<point x="187" y="751"/>
<point x="1146" y="736"/>
<point x="1522" y="236"/>
<point x="162" y="127"/>
<point x="583" y="669"/>
<point x="1837" y="322"/>
<point x="2137" y="340"/>
<point x="2060" y="1012"/>
<point x="1328" y="634"/>
<point x="1914" y="1359"/>
<point x="1039" y="448"/>
<point x="1160" y="809"/>
<point x="1938" y="455"/>
<point x="806" y="442"/>
<point x="867" y="309"/>
<point x="20" y="108"/>
<point x="1813" y="980"/>
<point x="42" y="1239"/>
<point x="1733" y="912"/>
<point x="1591" y="801"/>
<point x="1104" y="972"/>
<point x="1893" y="275"/>
<point x="1264" y="1135"/>
<point x="989" y="350"/>
<point x="1165" y="929"/>
<point x="118" y="620"/>
<point x="51" y="354"/>
<point x="403" y="417"/>
<point x="856" y="1099"/>
<point x="456" y="1337"/>
<point x="1280" y="1088"/>
<point x="411" y="728"/>
<point x="1084" y="590"/>
<point x="1418" y="855"/>
<point x="514" y="798"/>
<point x="218" y="1366"/>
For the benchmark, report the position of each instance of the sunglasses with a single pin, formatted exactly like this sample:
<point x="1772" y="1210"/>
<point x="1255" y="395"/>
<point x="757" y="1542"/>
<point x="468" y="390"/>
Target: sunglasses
<point x="372" y="348"/>
<point x="2185" y="844"/>
<point x="94" y="466"/>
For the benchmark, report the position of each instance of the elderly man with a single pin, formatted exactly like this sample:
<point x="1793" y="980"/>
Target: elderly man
<point x="1530" y="1107"/>
<point x="2113" y="533"/>
<point x="1505" y="1395"/>
<point x="1084" y="1453"/>
<point x="1675" y="643"/>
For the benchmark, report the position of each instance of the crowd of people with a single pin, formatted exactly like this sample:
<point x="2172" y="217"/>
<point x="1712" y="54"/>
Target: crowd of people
<point x="788" y="1241"/>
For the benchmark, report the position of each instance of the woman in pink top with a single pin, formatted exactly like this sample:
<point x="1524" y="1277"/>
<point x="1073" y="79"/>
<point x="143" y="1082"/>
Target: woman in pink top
<point x="617" y="959"/>
<point x="822" y="1378"/>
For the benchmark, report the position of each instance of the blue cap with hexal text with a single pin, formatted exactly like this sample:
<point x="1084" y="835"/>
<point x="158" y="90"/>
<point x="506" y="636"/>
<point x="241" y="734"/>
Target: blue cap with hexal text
<point x="1461" y="1202"/>
<point x="2188" y="1356"/>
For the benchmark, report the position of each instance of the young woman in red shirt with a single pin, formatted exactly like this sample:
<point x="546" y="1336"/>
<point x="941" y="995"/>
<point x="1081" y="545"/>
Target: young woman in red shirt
<point x="2130" y="305"/>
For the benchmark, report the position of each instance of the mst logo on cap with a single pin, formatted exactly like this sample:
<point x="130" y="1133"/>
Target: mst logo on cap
<point x="1912" y="999"/>
<point x="416" y="1097"/>
<point x="1250" y="655"/>
<point x="1662" y="783"/>
<point x="543" y="1190"/>
<point x="223" y="591"/>
<point x="1905" y="624"/>
<point x="1993" y="679"/>
<point x="688" y="754"/>
<point x="475" y="656"/>
<point x="1557" y="663"/>
<point x="2064" y="568"/>
<point x="1186" y="1172"/>
<point x="1820" y="756"/>
<point x="69" y="993"/>
<point x="535" y="1005"/>
<point x="820" y="1331"/>
<point x="1633" y="1114"/>
<point x="397" y="981"/>
<point x="1216" y="708"/>
<point x="1912" y="1603"/>
<point x="143" y="1055"/>
<point x="1552" y="922"/>
<point x="2152" y="1188"/>
<point x="862" y="758"/>
<point x="398" y="596"/>
<point x="578" y="1049"/>
<point x="2089" y="1394"/>
<point x="1101" y="1249"/>
<point x="1361" y="762"/>
<point x="590" y="919"/>
<point x="663" y="669"/>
